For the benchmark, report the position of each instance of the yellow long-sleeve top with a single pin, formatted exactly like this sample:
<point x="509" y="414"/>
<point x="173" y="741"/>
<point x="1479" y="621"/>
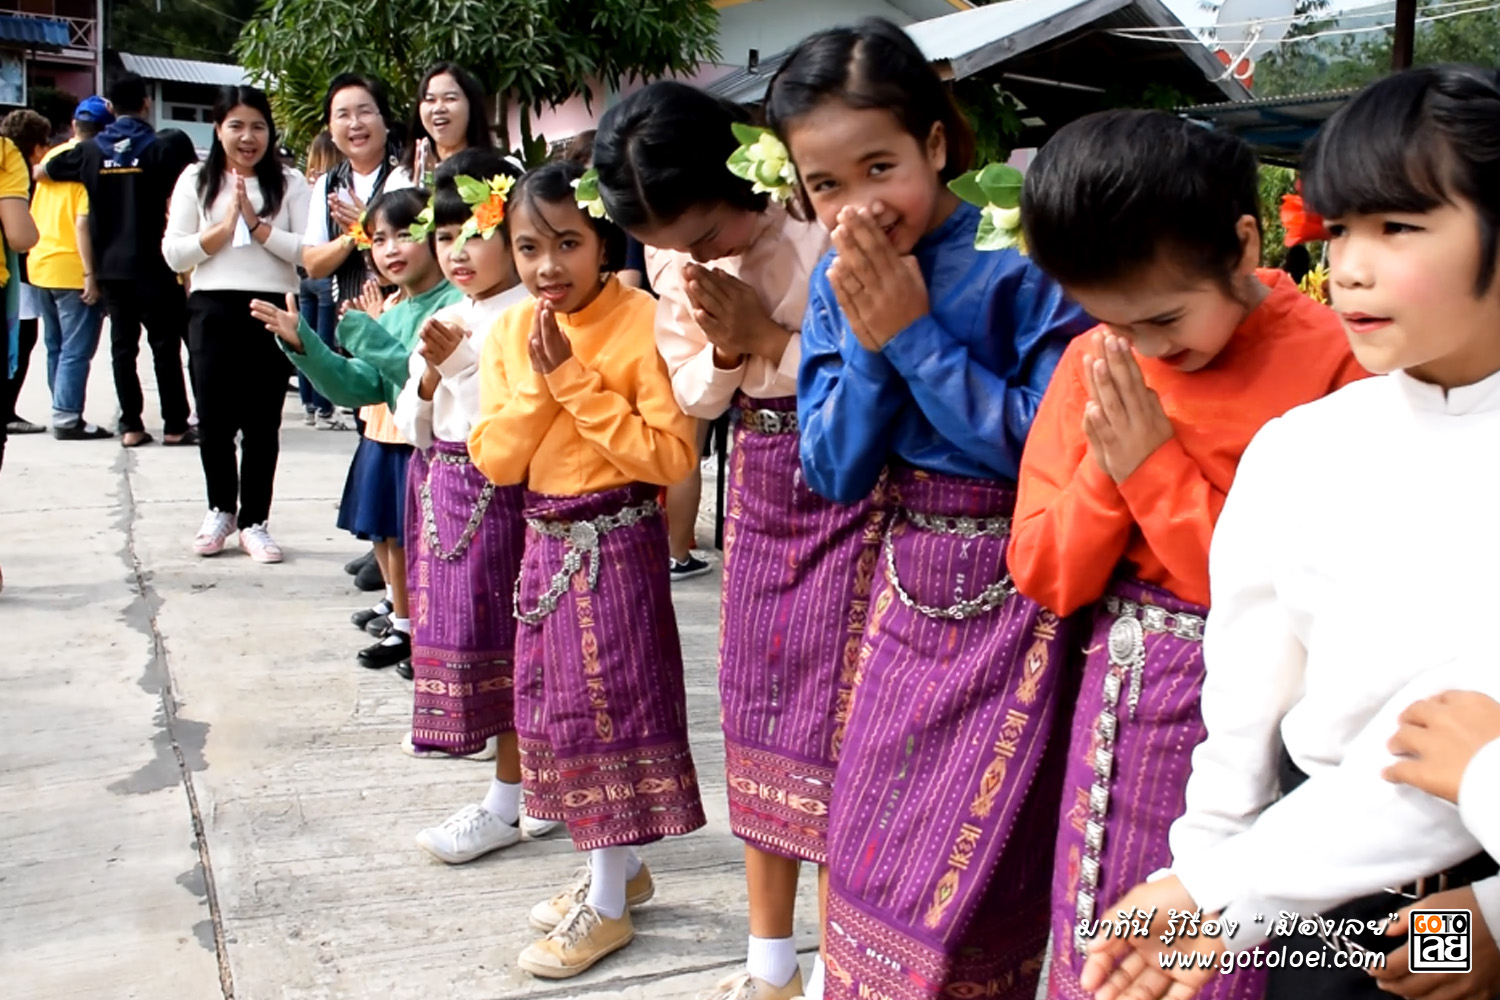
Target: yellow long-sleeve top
<point x="604" y="418"/>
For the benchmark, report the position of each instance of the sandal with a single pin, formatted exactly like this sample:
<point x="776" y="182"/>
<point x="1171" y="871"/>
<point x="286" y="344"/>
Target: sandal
<point x="140" y="438"/>
<point x="188" y="438"/>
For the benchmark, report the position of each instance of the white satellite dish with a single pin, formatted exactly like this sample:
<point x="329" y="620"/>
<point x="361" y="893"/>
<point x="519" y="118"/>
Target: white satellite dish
<point x="1248" y="29"/>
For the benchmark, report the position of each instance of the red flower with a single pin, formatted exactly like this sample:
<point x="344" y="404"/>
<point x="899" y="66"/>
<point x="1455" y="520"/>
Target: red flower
<point x="1301" y="223"/>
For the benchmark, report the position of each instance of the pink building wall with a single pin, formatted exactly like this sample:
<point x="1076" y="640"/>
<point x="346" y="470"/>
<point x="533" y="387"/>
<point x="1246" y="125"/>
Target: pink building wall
<point x="575" y="116"/>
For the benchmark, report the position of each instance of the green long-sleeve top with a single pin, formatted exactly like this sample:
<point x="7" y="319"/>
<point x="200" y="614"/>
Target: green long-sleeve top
<point x="381" y="348"/>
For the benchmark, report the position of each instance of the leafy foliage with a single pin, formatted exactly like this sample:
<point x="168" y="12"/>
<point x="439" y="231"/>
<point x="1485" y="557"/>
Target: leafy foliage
<point x="1342" y="61"/>
<point x="1274" y="183"/>
<point x="535" y="53"/>
<point x="184" y="29"/>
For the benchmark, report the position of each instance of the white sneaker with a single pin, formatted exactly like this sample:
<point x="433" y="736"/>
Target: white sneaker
<point x="490" y="749"/>
<point x="470" y="833"/>
<point x="257" y="541"/>
<point x="217" y="527"/>
<point x="538" y="828"/>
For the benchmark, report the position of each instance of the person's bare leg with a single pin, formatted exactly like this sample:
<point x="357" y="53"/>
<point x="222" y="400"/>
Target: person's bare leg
<point x="394" y="567"/>
<point x="684" y="500"/>
<point x="771" y="883"/>
<point x="508" y="759"/>
<point x="682" y="514"/>
<point x="382" y="559"/>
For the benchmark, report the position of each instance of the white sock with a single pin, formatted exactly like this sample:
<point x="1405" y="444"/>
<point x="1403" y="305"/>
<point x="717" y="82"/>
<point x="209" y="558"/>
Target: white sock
<point x="773" y="959"/>
<point x="607" y="884"/>
<point x="503" y="800"/>
<point x="383" y="608"/>
<point x="401" y="625"/>
<point x="390" y="594"/>
<point x="813" y="988"/>
<point x="632" y="864"/>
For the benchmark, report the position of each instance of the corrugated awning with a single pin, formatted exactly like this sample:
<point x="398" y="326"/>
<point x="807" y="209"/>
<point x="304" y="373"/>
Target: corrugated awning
<point x="207" y="74"/>
<point x="33" y="32"/>
<point x="1277" y="128"/>
<point x="968" y="42"/>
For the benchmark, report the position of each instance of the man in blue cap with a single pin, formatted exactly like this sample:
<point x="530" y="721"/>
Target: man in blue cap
<point x="67" y="292"/>
<point x="129" y="171"/>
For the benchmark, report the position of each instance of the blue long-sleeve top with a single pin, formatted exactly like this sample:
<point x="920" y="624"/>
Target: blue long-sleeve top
<point x="953" y="393"/>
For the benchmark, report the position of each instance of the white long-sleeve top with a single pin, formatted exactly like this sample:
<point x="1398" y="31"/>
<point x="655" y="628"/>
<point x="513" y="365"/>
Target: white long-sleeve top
<point x="778" y="265"/>
<point x="1479" y="798"/>
<point x="254" y="267"/>
<point x="454" y="407"/>
<point x="1353" y="571"/>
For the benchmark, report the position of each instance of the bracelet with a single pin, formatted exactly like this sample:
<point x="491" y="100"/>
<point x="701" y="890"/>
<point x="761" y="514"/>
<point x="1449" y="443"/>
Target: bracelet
<point x="258" y="224"/>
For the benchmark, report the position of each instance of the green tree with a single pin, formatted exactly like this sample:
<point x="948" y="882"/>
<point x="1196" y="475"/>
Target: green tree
<point x="185" y="29"/>
<point x="1345" y="61"/>
<point x="531" y="53"/>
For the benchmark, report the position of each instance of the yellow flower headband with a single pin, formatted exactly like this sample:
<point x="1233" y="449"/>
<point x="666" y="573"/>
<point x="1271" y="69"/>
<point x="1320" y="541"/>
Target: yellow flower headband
<point x="996" y="190"/>
<point x="763" y="160"/>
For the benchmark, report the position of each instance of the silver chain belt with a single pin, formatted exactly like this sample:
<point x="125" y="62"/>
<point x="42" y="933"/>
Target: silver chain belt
<point x="429" y="521"/>
<point x="986" y="600"/>
<point x="1127" y="655"/>
<point x="769" y="421"/>
<point x="582" y="538"/>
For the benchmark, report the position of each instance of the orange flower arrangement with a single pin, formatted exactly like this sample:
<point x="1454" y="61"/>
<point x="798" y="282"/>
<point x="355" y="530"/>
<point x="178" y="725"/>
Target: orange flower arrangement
<point x="1301" y="223"/>
<point x="361" y="238"/>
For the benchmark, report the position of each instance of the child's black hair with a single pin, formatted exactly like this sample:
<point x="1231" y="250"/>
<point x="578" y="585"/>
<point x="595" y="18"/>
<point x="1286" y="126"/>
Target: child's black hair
<point x="448" y="206"/>
<point x="553" y="183"/>
<point x="399" y="208"/>
<point x="662" y="151"/>
<point x="871" y="65"/>
<point x="1115" y="192"/>
<point x="1409" y="143"/>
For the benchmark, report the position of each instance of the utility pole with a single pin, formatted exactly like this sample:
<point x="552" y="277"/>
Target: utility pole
<point x="1406" y="29"/>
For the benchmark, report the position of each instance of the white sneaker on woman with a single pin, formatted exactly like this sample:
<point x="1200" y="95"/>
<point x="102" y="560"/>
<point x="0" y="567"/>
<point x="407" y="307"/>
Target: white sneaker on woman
<point x="217" y="527"/>
<point x="470" y="833"/>
<point x="257" y="541"/>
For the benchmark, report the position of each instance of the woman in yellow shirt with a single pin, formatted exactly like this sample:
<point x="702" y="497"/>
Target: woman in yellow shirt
<point x="576" y="402"/>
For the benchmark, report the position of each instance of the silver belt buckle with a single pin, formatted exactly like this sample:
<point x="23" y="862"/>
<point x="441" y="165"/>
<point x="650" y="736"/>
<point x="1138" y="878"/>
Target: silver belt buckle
<point x="583" y="535"/>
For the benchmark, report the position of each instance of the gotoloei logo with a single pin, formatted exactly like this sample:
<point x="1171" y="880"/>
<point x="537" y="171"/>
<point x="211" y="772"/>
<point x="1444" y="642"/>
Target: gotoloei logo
<point x="1440" y="941"/>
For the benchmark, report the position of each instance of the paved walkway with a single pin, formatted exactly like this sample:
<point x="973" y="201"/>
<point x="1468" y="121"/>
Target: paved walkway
<point x="202" y="795"/>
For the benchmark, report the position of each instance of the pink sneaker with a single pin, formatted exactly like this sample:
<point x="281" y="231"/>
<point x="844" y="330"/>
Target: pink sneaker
<point x="257" y="541"/>
<point x="217" y="527"/>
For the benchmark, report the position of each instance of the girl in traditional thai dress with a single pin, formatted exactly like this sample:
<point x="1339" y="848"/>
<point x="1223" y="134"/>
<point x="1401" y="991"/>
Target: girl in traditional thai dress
<point x="1328" y="621"/>
<point x="464" y="535"/>
<point x="731" y="265"/>
<point x="922" y="353"/>
<point x="577" y="404"/>
<point x="380" y="337"/>
<point x="1152" y="224"/>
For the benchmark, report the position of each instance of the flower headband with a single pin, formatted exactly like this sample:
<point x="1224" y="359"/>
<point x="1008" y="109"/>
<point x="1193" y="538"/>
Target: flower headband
<point x="586" y="191"/>
<point x="1301" y="223"/>
<point x="486" y="199"/>
<point x="357" y="234"/>
<point x="763" y="160"/>
<point x="996" y="190"/>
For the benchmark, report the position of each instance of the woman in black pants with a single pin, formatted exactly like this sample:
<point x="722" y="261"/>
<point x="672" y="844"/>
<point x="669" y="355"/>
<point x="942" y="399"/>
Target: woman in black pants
<point x="236" y="223"/>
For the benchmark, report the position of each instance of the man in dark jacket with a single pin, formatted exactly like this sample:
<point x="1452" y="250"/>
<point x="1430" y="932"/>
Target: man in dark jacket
<point x="129" y="170"/>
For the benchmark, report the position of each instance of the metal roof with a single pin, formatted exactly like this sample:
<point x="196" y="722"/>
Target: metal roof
<point x="184" y="70"/>
<point x="970" y="41"/>
<point x="46" y="32"/>
<point x="1277" y="128"/>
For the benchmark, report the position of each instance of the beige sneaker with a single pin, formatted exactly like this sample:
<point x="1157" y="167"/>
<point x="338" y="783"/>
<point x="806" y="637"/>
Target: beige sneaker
<point x="577" y="944"/>
<point x="743" y="986"/>
<point x="550" y="912"/>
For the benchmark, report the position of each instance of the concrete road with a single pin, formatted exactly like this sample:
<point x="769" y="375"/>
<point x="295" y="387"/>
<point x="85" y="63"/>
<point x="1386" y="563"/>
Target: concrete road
<point x="202" y="795"/>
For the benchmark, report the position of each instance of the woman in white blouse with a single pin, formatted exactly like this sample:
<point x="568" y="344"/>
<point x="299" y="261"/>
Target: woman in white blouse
<point x="236" y="223"/>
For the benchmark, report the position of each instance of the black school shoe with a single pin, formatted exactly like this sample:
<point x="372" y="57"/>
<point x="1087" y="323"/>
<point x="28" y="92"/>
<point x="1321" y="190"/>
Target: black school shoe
<point x="364" y="618"/>
<point x="404" y="671"/>
<point x="383" y="654"/>
<point x="353" y="566"/>
<point x="369" y="578"/>
<point x="78" y="430"/>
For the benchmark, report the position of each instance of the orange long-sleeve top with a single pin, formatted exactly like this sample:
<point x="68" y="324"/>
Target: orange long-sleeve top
<point x="604" y="418"/>
<point x="1074" y="528"/>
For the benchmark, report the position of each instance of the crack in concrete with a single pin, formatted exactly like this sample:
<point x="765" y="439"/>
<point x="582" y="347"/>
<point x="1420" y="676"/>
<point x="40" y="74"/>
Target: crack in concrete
<point x="184" y="737"/>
